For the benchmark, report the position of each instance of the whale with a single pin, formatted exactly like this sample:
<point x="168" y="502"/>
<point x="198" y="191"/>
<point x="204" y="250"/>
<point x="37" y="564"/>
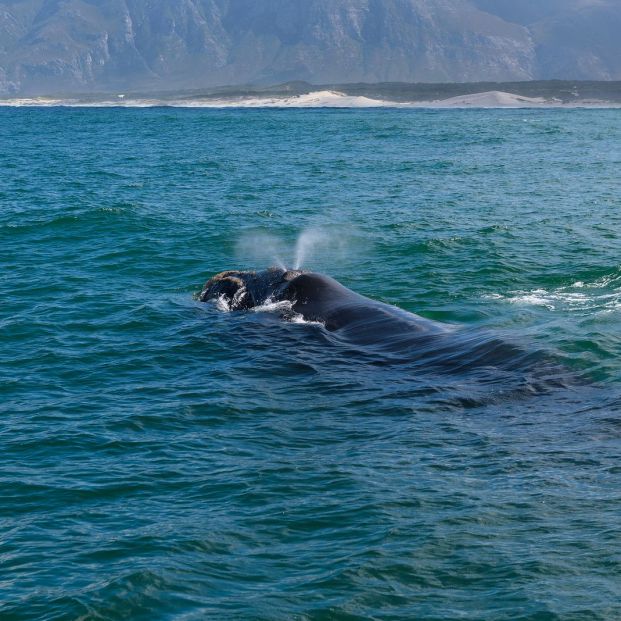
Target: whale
<point x="367" y="323"/>
<point x="318" y="298"/>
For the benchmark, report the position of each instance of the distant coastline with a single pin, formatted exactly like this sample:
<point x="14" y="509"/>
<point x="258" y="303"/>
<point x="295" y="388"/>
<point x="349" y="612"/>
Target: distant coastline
<point x="541" y="94"/>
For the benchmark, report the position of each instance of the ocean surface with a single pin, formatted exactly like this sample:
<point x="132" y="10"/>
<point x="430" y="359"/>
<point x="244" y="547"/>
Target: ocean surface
<point x="164" y="459"/>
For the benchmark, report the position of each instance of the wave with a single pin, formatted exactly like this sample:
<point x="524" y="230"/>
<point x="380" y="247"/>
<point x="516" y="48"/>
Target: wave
<point x="602" y="295"/>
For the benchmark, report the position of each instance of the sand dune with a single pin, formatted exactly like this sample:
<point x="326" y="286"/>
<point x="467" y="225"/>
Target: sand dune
<point x="493" y="99"/>
<point x="334" y="99"/>
<point x="319" y="99"/>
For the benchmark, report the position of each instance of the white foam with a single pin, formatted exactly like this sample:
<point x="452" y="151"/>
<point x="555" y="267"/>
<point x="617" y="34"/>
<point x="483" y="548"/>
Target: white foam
<point x="269" y="306"/>
<point x="580" y="297"/>
<point x="284" y="308"/>
<point x="222" y="304"/>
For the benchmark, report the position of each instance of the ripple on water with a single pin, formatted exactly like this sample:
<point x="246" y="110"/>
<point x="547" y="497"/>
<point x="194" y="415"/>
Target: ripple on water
<point x="162" y="459"/>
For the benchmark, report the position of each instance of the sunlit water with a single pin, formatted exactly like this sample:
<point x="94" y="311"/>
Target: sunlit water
<point x="163" y="459"/>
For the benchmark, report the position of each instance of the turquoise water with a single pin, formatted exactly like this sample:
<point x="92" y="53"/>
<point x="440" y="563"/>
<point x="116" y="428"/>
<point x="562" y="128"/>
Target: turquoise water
<point x="162" y="459"/>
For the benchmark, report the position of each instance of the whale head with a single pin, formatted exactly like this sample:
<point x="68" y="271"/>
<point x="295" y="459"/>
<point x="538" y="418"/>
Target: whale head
<point x="241" y="290"/>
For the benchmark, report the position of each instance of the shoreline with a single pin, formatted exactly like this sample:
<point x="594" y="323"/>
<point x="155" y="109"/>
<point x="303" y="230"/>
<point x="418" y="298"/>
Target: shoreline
<point x="317" y="99"/>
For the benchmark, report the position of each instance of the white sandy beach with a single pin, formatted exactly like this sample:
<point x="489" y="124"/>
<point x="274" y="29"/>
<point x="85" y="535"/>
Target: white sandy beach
<point x="320" y="99"/>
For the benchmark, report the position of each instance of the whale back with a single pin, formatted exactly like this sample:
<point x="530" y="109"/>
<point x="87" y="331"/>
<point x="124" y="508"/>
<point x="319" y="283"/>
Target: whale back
<point x="367" y="322"/>
<point x="320" y="298"/>
<point x="316" y="296"/>
<point x="372" y="324"/>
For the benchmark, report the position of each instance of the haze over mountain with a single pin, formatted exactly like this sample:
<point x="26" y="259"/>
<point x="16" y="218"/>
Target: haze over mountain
<point x="60" y="46"/>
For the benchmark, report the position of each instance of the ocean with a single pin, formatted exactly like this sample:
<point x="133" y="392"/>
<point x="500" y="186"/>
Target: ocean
<point x="165" y="459"/>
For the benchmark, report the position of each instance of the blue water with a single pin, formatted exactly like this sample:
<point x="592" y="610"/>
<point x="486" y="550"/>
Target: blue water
<point x="163" y="459"/>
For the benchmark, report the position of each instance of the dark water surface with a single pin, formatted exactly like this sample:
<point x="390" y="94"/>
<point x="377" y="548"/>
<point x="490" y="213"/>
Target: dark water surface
<point x="162" y="459"/>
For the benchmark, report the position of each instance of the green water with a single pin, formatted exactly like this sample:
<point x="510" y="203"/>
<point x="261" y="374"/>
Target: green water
<point x="162" y="459"/>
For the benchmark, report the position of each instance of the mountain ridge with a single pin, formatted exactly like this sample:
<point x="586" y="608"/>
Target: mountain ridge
<point x="54" y="46"/>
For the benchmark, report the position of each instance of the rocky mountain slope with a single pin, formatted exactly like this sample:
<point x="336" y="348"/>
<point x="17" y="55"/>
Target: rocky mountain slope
<point x="61" y="46"/>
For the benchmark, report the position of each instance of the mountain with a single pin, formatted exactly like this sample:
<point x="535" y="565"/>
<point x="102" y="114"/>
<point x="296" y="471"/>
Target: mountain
<point x="61" y="46"/>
